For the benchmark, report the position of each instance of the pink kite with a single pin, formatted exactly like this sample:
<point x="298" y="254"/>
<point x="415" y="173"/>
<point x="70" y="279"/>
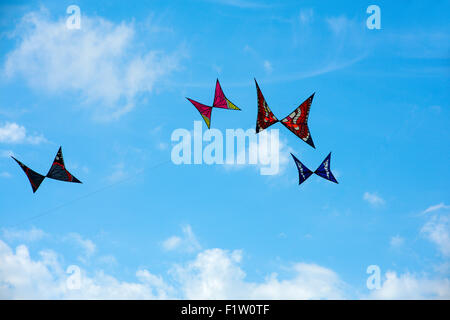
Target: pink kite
<point x="220" y="101"/>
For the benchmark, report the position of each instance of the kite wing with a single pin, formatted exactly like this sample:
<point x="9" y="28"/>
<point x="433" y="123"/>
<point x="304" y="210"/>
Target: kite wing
<point x="266" y="118"/>
<point x="34" y="177"/>
<point x="220" y="101"/>
<point x="303" y="172"/>
<point x="204" y="110"/>
<point x="297" y="121"/>
<point x="324" y="170"/>
<point x="58" y="170"/>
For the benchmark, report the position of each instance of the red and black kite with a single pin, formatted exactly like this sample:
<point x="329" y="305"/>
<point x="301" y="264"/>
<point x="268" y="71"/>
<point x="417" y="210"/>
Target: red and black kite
<point x="296" y="122"/>
<point x="57" y="171"/>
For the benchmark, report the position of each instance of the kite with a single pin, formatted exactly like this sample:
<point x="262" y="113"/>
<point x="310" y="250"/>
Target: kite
<point x="57" y="171"/>
<point x="220" y="101"/>
<point x="34" y="177"/>
<point x="296" y="122"/>
<point x="323" y="170"/>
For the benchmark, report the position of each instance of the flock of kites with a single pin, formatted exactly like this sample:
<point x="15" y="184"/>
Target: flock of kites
<point x="296" y="122"/>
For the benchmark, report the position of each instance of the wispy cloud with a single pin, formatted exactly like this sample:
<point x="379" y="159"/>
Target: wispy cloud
<point x="5" y="174"/>
<point x="397" y="241"/>
<point x="268" y="66"/>
<point x="6" y="153"/>
<point x="99" y="62"/>
<point x="373" y="199"/>
<point x="411" y="286"/>
<point x="437" y="230"/>
<point x="436" y="207"/>
<point x="306" y="16"/>
<point x="422" y="43"/>
<point x="187" y="242"/>
<point x="87" y="246"/>
<point x="34" y="234"/>
<point x="339" y="24"/>
<point x="242" y="3"/>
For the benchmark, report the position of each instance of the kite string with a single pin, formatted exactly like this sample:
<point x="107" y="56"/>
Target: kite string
<point x="49" y="211"/>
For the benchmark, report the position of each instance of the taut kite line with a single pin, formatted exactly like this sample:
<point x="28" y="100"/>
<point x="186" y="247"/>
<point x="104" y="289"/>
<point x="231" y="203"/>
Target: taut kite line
<point x="296" y="122"/>
<point x="57" y="172"/>
<point x="220" y="101"/>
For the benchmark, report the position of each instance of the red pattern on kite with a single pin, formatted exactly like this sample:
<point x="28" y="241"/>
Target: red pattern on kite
<point x="266" y="118"/>
<point x="297" y="121"/>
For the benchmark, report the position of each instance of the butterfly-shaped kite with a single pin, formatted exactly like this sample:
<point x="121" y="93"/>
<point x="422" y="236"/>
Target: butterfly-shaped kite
<point x="220" y="101"/>
<point x="324" y="170"/>
<point x="297" y="121"/>
<point x="57" y="171"/>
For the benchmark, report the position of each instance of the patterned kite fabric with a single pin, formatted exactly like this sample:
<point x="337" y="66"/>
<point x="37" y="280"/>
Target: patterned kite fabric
<point x="57" y="171"/>
<point x="220" y="101"/>
<point x="265" y="118"/>
<point x="324" y="170"/>
<point x="205" y="111"/>
<point x="296" y="121"/>
<point x="34" y="177"/>
<point x="303" y="172"/>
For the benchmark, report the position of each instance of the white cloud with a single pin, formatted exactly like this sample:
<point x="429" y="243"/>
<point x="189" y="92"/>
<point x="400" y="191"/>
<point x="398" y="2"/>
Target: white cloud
<point x="6" y="153"/>
<point x="437" y="230"/>
<point x="33" y="234"/>
<point x="118" y="173"/>
<point x="162" y="146"/>
<point x="216" y="274"/>
<point x="436" y="207"/>
<point x="268" y="66"/>
<point x="397" y="241"/>
<point x="171" y="243"/>
<point x="188" y="242"/>
<point x="107" y="259"/>
<point x="242" y="3"/>
<point x="373" y="199"/>
<point x="419" y="43"/>
<point x="306" y="16"/>
<point x="213" y="274"/>
<point x="272" y="159"/>
<point x="11" y="132"/>
<point x="411" y="286"/>
<point x="5" y="174"/>
<point x="100" y="61"/>
<point x="22" y="277"/>
<point x="87" y="245"/>
<point x="339" y="24"/>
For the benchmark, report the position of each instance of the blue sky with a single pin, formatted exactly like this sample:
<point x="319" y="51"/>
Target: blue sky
<point x="112" y="93"/>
